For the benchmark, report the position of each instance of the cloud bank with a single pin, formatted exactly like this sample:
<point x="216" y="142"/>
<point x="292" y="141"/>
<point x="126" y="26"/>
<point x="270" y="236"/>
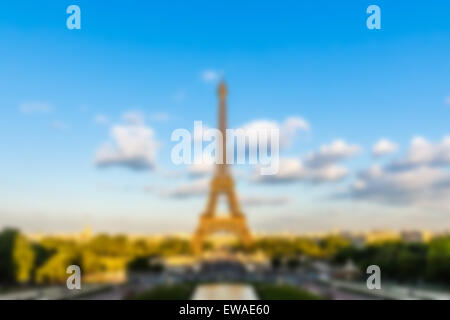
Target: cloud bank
<point x="133" y="145"/>
<point x="319" y="166"/>
<point x="420" y="177"/>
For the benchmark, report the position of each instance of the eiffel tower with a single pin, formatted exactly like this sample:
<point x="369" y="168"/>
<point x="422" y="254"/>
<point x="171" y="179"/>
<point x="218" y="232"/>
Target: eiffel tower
<point x="221" y="183"/>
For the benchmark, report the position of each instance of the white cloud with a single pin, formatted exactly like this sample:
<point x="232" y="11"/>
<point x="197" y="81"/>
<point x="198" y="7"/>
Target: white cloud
<point x="210" y="75"/>
<point x="383" y="147"/>
<point x="290" y="169"/>
<point x="336" y="151"/>
<point x="319" y="166"/>
<point x="133" y="145"/>
<point x="287" y="130"/>
<point x="293" y="169"/>
<point x="327" y="173"/>
<point x="413" y="186"/>
<point x="34" y="107"/>
<point x="421" y="176"/>
<point x="423" y="152"/>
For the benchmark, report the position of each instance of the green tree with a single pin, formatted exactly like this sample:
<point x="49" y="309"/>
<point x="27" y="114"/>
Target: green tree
<point x="438" y="259"/>
<point x="54" y="270"/>
<point x="17" y="257"/>
<point x="24" y="258"/>
<point x="7" y="237"/>
<point x="57" y="254"/>
<point x="330" y="245"/>
<point x="174" y="246"/>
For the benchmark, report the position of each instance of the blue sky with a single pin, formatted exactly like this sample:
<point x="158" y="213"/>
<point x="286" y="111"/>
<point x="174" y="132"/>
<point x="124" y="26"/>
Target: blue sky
<point x="311" y="60"/>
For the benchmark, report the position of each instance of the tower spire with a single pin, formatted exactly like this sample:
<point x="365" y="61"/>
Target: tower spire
<point x="222" y="123"/>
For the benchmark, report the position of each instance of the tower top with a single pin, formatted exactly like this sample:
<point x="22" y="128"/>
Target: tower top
<point x="222" y="123"/>
<point x="222" y="89"/>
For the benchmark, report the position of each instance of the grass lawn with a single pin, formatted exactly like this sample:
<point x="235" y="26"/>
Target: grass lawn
<point x="268" y="291"/>
<point x="265" y="291"/>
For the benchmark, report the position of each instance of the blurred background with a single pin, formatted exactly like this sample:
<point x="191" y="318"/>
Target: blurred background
<point x="86" y="176"/>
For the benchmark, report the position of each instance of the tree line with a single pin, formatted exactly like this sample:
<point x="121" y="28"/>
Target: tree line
<point x="23" y="261"/>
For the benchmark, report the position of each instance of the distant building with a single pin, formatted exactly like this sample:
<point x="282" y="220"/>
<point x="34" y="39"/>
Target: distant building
<point x="411" y="236"/>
